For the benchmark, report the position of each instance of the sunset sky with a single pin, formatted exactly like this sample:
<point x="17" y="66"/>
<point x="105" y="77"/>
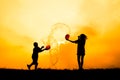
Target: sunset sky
<point x="48" y="21"/>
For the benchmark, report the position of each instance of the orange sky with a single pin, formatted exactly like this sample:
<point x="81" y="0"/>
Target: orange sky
<point x="47" y="21"/>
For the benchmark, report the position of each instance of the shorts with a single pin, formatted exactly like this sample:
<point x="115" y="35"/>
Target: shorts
<point x="35" y="59"/>
<point x="81" y="52"/>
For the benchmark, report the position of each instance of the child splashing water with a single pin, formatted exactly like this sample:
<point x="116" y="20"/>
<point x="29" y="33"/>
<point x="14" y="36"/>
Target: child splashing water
<point x="80" y="48"/>
<point x="36" y="50"/>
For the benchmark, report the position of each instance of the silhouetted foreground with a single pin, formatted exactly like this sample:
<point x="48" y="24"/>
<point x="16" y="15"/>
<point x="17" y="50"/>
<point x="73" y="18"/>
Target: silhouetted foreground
<point x="48" y="74"/>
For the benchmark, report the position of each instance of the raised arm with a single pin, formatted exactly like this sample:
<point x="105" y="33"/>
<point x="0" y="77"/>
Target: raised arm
<point x="45" y="48"/>
<point x="76" y="41"/>
<point x="41" y="49"/>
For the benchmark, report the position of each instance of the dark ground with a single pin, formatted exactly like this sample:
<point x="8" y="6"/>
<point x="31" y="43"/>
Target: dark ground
<point x="48" y="74"/>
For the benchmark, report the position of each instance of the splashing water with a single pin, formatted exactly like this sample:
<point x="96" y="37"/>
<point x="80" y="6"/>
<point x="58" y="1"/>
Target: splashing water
<point x="55" y="38"/>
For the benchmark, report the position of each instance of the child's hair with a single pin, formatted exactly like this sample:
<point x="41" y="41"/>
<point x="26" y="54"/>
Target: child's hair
<point x="82" y="36"/>
<point x="35" y="44"/>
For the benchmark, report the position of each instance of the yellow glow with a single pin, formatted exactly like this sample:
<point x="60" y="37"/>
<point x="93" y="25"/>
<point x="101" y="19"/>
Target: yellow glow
<point x="47" y="21"/>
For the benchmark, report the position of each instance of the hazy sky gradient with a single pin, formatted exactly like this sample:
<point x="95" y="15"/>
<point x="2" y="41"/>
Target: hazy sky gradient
<point x="24" y="21"/>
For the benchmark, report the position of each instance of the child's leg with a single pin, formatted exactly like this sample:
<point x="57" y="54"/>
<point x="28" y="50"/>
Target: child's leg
<point x="36" y="66"/>
<point x="30" y="65"/>
<point x="82" y="61"/>
<point x="35" y="63"/>
<point x="78" y="60"/>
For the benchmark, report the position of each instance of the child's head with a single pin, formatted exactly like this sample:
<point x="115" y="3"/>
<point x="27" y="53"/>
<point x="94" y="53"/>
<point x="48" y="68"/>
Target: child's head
<point x="82" y="36"/>
<point x="35" y="44"/>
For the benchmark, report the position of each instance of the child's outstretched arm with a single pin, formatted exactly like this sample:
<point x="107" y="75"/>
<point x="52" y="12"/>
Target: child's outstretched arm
<point x="72" y="41"/>
<point x="45" y="48"/>
<point x="42" y="47"/>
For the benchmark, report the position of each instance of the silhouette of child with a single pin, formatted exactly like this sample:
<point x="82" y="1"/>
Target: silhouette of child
<point x="80" y="49"/>
<point x="36" y="50"/>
